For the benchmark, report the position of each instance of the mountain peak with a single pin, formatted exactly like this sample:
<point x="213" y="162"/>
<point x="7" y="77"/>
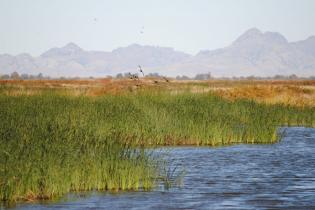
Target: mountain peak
<point x="72" y="46"/>
<point x="255" y="36"/>
<point x="134" y="45"/>
<point x="69" y="49"/>
<point x="252" y="33"/>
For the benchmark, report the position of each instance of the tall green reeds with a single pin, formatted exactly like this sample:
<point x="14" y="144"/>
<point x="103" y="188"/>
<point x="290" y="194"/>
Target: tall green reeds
<point x="51" y="144"/>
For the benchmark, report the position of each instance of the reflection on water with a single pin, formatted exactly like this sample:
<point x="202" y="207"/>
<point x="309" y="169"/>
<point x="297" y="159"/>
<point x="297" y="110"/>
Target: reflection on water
<point x="278" y="176"/>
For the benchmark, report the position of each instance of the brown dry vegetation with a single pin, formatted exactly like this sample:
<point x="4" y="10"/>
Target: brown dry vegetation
<point x="296" y="92"/>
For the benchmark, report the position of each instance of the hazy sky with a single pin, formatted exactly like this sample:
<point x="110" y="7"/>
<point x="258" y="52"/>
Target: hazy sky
<point x="34" y="26"/>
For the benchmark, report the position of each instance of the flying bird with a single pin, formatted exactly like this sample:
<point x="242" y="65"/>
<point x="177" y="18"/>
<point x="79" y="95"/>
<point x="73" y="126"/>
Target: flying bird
<point x="142" y="30"/>
<point x="140" y="69"/>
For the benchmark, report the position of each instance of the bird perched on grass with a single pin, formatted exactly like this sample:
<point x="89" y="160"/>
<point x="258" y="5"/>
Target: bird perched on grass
<point x="133" y="76"/>
<point x="140" y="69"/>
<point x="130" y="75"/>
<point x="166" y="80"/>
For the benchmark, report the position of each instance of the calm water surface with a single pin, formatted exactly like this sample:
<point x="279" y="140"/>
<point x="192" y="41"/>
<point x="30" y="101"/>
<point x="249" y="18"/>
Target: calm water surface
<point x="278" y="176"/>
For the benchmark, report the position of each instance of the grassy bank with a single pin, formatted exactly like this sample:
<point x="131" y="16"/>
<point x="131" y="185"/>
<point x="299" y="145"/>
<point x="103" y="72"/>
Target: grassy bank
<point x="51" y="144"/>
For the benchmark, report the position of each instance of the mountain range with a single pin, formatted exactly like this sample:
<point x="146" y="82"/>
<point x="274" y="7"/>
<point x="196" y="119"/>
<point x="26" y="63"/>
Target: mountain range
<point x="253" y="53"/>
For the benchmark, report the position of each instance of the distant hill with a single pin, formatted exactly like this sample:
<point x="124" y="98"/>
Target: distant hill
<point x="253" y="53"/>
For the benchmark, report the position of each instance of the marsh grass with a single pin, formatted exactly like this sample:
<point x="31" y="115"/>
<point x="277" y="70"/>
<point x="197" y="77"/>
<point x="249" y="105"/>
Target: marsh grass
<point x="52" y="143"/>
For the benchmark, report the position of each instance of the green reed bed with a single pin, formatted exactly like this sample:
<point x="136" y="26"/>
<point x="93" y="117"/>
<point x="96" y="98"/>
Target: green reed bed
<point x="204" y="119"/>
<point x="51" y="144"/>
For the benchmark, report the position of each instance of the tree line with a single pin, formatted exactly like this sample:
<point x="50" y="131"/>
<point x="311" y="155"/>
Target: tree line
<point x="206" y="76"/>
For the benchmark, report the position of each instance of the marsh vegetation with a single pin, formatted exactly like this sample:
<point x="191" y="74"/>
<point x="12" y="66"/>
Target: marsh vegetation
<point x="62" y="137"/>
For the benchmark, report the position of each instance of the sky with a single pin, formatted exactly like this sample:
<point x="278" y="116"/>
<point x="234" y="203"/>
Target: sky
<point x="34" y="26"/>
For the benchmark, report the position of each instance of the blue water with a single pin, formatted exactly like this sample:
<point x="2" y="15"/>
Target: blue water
<point x="277" y="176"/>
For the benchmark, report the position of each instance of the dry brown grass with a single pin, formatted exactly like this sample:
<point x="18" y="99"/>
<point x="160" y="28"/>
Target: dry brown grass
<point x="296" y="93"/>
